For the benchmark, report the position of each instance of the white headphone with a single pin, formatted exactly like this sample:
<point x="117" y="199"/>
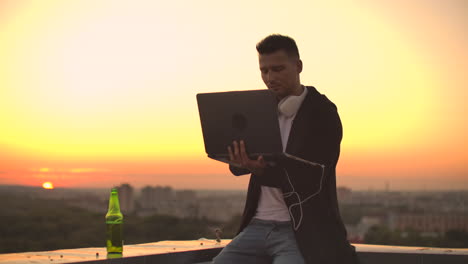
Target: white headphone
<point x="289" y="106"/>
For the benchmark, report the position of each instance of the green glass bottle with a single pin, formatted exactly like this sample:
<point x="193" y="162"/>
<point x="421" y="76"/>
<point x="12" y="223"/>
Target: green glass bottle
<point x="114" y="222"/>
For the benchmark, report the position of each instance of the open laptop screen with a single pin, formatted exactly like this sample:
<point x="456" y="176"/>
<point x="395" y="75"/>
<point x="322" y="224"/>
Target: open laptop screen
<point x="248" y="115"/>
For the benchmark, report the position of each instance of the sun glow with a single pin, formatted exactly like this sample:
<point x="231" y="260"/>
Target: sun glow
<point x="48" y="185"/>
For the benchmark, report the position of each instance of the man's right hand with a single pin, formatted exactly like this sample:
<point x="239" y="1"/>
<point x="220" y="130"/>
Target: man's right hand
<point x="238" y="155"/>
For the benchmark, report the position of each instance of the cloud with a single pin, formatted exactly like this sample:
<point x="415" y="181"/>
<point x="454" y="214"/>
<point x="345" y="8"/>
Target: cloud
<point x="66" y="171"/>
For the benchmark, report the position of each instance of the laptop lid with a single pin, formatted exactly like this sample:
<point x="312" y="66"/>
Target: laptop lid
<point x="240" y="115"/>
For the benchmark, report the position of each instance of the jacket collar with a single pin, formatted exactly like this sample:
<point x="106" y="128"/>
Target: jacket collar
<point x="302" y="120"/>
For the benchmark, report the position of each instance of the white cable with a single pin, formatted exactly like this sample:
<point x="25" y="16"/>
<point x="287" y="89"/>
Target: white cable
<point x="286" y="195"/>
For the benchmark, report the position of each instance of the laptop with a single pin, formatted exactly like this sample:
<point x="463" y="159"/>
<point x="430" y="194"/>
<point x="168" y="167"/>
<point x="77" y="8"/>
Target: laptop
<point x="251" y="116"/>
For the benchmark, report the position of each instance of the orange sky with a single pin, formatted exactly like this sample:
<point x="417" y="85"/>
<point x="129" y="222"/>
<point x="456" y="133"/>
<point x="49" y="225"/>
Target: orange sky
<point x="96" y="93"/>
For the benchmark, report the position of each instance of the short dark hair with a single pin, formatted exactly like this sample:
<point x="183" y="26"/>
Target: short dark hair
<point x="275" y="42"/>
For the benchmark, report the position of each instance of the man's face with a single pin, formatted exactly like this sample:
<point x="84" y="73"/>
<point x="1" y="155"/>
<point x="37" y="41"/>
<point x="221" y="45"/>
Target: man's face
<point x="280" y="73"/>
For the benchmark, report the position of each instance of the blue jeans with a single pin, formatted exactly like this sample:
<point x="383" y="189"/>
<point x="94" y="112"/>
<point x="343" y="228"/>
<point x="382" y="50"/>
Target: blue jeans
<point x="262" y="242"/>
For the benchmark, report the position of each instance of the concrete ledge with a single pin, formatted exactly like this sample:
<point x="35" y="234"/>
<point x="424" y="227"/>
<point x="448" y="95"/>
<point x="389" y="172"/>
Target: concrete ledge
<point x="203" y="250"/>
<point x="158" y="252"/>
<point x="377" y="254"/>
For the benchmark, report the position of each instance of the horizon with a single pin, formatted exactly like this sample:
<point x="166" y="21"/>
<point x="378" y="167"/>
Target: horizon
<point x="384" y="188"/>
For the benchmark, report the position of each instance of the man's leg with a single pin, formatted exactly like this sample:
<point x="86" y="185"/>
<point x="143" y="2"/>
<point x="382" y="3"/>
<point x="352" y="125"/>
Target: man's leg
<point x="246" y="248"/>
<point x="282" y="246"/>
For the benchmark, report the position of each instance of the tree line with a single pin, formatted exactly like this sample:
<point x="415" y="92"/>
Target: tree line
<point x="32" y="224"/>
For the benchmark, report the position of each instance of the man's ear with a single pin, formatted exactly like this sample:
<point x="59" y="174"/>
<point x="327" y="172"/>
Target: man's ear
<point x="299" y="66"/>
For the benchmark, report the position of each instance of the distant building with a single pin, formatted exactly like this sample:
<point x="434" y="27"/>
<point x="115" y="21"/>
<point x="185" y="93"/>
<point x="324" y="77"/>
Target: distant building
<point x="186" y="195"/>
<point x="153" y="197"/>
<point x="160" y="200"/>
<point x="344" y="194"/>
<point x="187" y="204"/>
<point x="126" y="198"/>
<point x="439" y="223"/>
<point x="221" y="208"/>
<point x="356" y="233"/>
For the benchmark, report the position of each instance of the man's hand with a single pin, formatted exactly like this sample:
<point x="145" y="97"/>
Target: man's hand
<point x="238" y="155"/>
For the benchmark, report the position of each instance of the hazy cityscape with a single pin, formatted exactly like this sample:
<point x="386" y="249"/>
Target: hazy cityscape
<point x="430" y="214"/>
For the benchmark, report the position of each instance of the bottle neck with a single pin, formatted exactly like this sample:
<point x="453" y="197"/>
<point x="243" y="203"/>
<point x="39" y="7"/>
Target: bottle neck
<point x="114" y="205"/>
<point x="113" y="212"/>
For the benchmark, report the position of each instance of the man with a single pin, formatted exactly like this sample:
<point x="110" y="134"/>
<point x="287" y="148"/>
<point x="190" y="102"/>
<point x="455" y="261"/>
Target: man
<point x="291" y="213"/>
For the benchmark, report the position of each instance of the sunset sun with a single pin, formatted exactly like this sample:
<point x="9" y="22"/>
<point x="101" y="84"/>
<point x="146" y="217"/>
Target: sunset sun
<point x="47" y="185"/>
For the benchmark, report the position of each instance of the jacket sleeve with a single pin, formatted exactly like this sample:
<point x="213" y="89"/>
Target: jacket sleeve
<point x="332" y="135"/>
<point x="326" y="149"/>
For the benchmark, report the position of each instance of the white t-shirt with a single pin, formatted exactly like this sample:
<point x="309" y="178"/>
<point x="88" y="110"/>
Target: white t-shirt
<point x="271" y="205"/>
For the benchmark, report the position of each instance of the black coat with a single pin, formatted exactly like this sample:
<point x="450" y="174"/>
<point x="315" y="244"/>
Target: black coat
<point x="315" y="135"/>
